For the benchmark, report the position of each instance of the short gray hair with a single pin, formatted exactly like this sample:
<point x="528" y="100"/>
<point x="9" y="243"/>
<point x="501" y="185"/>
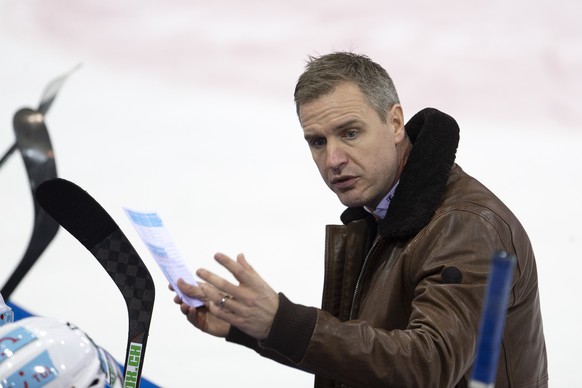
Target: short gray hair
<point x="323" y="74"/>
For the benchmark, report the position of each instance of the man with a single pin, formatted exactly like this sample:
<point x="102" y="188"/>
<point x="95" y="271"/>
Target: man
<point x="407" y="272"/>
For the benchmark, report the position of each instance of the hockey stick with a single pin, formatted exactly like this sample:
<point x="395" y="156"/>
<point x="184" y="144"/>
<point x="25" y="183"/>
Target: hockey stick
<point x="48" y="96"/>
<point x="492" y="321"/>
<point x="7" y="154"/>
<point x="34" y="144"/>
<point x="76" y="211"/>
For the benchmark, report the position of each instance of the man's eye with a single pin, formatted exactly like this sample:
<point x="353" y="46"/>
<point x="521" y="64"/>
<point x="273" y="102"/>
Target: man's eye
<point x="351" y="134"/>
<point x="317" y="143"/>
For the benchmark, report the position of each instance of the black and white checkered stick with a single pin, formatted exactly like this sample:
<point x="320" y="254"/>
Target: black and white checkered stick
<point x="76" y="211"/>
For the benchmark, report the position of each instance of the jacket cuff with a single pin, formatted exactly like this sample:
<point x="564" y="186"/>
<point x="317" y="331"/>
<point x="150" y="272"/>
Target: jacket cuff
<point x="291" y="330"/>
<point x="241" y="338"/>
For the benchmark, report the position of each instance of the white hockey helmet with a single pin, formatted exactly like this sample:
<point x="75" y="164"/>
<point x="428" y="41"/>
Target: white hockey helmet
<point x="45" y="352"/>
<point x="6" y="313"/>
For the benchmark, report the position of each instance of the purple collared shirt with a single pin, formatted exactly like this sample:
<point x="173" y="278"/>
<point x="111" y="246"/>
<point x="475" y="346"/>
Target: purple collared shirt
<point x="382" y="208"/>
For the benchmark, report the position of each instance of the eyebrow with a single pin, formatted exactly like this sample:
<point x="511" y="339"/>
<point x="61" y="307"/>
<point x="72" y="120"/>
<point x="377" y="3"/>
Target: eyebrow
<point x="310" y="137"/>
<point x="346" y="125"/>
<point x="343" y="126"/>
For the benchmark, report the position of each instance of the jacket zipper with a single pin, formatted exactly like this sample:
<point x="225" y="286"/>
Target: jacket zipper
<point x="363" y="273"/>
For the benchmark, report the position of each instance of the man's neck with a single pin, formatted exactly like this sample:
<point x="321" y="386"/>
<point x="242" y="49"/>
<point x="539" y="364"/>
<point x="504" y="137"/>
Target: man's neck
<point x="381" y="209"/>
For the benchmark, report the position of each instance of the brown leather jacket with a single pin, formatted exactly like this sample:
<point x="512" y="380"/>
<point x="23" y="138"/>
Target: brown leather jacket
<point x="403" y="297"/>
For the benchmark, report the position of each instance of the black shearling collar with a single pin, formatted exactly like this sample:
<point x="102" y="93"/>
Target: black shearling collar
<point x="435" y="137"/>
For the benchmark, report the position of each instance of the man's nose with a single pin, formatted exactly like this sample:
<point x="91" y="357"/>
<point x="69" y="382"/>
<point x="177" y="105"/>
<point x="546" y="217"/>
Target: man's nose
<point x="336" y="156"/>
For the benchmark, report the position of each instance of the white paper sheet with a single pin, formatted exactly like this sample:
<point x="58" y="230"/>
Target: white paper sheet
<point x="150" y="228"/>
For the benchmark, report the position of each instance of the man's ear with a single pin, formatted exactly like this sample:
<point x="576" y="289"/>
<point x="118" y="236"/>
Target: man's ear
<point x="396" y="119"/>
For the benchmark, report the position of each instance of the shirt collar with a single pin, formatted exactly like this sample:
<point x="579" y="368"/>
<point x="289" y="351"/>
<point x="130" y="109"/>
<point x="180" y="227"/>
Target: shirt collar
<point x="382" y="208"/>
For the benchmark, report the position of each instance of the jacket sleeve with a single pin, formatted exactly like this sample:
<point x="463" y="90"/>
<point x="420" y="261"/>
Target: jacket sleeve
<point x="294" y="324"/>
<point x="435" y="345"/>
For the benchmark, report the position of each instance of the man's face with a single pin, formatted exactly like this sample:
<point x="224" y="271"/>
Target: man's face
<point x="354" y="150"/>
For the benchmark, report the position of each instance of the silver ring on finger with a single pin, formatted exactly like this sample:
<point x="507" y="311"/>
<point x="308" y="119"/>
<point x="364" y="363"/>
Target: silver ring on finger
<point x="224" y="300"/>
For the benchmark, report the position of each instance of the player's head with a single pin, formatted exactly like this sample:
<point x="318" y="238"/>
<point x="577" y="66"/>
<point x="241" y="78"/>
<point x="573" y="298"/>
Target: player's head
<point x="323" y="74"/>
<point x="46" y="352"/>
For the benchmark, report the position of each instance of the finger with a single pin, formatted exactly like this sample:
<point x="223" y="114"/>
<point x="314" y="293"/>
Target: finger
<point x="222" y="286"/>
<point x="225" y="302"/>
<point x="190" y="289"/>
<point x="240" y="258"/>
<point x="170" y="287"/>
<point x="227" y="313"/>
<point x="182" y="285"/>
<point x="218" y="298"/>
<point x="228" y="304"/>
<point x="198" y="319"/>
<point x="244" y="274"/>
<point x="184" y="308"/>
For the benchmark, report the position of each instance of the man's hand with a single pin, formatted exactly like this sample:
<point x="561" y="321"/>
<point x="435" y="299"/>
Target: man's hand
<point x="252" y="304"/>
<point x="200" y="317"/>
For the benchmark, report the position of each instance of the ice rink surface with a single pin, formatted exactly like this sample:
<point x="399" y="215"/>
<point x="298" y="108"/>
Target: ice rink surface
<point x="185" y="107"/>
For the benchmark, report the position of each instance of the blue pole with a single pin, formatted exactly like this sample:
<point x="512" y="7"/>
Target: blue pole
<point x="492" y="320"/>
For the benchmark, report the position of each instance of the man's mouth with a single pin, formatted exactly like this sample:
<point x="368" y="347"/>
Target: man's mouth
<point x="343" y="183"/>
